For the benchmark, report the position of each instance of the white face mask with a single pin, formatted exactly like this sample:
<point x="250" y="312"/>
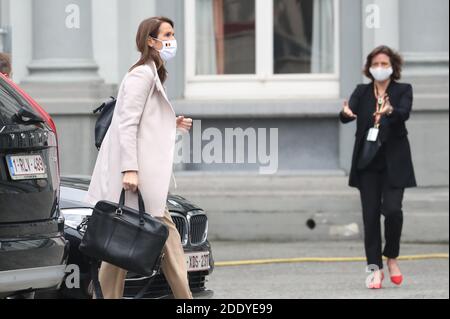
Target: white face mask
<point x="381" y="74"/>
<point x="169" y="49"/>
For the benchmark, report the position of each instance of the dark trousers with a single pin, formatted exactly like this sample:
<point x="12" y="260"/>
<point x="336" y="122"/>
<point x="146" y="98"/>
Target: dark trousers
<point x="379" y="198"/>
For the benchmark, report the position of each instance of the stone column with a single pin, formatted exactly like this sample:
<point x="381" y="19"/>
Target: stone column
<point x="63" y="77"/>
<point x="5" y="32"/>
<point x="380" y="24"/>
<point x="62" y="42"/>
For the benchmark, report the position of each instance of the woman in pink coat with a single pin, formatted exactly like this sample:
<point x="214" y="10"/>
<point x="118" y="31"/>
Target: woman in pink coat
<point x="138" y="150"/>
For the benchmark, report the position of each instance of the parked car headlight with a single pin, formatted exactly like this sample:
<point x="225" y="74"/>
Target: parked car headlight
<point x="75" y="216"/>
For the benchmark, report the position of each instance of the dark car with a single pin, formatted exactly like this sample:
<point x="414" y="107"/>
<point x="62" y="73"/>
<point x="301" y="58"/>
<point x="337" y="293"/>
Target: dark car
<point x="33" y="249"/>
<point x="191" y="222"/>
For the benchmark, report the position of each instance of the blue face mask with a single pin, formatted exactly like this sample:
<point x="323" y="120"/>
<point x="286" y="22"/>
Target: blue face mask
<point x="169" y="49"/>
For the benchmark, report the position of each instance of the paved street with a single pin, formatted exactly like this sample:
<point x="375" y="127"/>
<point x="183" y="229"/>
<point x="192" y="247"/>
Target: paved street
<point x="424" y="278"/>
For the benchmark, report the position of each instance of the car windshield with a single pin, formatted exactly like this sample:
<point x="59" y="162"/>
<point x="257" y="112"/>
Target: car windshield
<point x="13" y="108"/>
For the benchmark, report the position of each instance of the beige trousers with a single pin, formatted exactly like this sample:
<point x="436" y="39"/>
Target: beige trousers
<point x="112" y="278"/>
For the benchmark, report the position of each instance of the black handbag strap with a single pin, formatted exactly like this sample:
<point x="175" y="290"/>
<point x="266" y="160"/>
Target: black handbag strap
<point x="104" y="104"/>
<point x="95" y="265"/>
<point x="140" y="203"/>
<point x="95" y="281"/>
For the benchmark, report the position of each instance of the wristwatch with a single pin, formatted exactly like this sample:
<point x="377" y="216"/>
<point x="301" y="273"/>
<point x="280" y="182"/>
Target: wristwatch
<point x="391" y="110"/>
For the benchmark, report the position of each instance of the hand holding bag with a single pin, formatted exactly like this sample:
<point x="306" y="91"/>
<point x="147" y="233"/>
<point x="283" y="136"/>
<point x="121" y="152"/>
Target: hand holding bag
<point x="124" y="237"/>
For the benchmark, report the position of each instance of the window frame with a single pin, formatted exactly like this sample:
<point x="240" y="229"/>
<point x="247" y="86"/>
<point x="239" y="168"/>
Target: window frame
<point x="264" y="84"/>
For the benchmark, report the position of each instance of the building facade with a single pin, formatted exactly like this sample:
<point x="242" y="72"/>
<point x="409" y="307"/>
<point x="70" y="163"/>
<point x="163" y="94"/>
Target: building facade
<point x="249" y="64"/>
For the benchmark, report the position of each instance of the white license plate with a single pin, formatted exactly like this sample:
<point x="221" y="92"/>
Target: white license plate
<point x="197" y="261"/>
<point x="26" y="167"/>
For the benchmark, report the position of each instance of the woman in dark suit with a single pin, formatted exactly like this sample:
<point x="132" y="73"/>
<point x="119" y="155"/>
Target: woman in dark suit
<point x="381" y="107"/>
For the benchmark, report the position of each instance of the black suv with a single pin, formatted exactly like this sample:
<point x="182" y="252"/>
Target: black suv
<point x="33" y="250"/>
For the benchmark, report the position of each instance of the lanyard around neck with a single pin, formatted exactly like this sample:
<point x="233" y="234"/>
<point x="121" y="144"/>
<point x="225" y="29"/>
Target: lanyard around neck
<point x="379" y="103"/>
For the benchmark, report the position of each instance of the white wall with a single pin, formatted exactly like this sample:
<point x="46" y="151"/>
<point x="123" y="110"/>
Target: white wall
<point x="105" y="37"/>
<point x="4" y="9"/>
<point x="114" y="26"/>
<point x="422" y="23"/>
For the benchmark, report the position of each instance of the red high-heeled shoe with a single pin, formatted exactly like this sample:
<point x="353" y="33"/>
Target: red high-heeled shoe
<point x="397" y="280"/>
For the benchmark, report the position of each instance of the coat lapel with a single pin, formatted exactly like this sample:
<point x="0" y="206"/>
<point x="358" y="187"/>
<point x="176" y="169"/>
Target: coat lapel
<point x="159" y="86"/>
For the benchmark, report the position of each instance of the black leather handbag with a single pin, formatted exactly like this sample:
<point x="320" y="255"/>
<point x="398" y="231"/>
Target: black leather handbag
<point x="103" y="122"/>
<point x="368" y="151"/>
<point x="124" y="237"/>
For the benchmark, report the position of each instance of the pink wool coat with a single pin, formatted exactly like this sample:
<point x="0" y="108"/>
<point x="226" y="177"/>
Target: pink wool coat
<point x="141" y="138"/>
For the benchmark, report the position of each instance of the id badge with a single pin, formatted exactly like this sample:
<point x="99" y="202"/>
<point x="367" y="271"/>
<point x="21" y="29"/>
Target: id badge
<point x="373" y="134"/>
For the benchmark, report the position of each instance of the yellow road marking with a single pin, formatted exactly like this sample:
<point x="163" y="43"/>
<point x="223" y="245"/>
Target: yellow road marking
<point x="319" y="260"/>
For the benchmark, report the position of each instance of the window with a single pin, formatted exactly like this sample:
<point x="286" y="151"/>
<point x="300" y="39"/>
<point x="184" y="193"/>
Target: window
<point x="226" y="37"/>
<point x="261" y="49"/>
<point x="303" y="36"/>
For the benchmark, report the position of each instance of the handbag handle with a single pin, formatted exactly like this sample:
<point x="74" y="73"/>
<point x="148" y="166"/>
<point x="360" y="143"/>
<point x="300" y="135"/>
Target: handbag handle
<point x="140" y="203"/>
